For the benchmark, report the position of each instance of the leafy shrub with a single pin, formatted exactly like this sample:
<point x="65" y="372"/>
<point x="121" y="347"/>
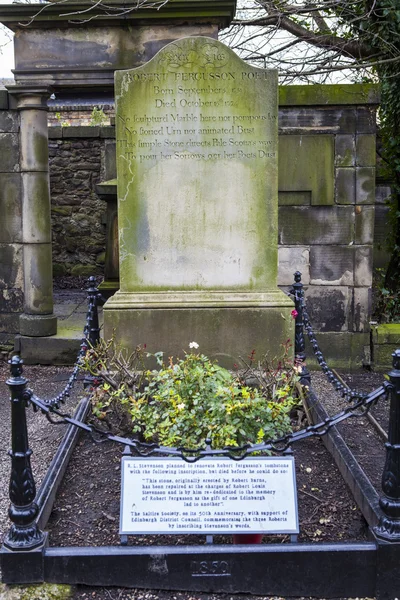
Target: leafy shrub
<point x="98" y="117"/>
<point x="189" y="400"/>
<point x="386" y="305"/>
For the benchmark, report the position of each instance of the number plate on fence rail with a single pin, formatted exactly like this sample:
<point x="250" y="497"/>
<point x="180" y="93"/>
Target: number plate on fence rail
<point x="169" y="495"/>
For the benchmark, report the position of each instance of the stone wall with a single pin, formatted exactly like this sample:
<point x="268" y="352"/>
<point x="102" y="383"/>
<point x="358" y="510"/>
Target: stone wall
<point x="77" y="158"/>
<point x="327" y="209"/>
<point x="326" y="205"/>
<point x="11" y="263"/>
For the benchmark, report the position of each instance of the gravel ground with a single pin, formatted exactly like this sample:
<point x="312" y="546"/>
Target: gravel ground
<point x="47" y="382"/>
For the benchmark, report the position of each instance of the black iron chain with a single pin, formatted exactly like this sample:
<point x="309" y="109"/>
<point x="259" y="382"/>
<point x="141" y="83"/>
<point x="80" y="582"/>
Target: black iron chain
<point x="84" y="346"/>
<point x="279" y="446"/>
<point x="346" y="392"/>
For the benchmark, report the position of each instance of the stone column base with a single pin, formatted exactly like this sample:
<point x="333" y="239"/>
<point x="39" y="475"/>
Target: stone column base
<point x="226" y="325"/>
<point x="37" y="325"/>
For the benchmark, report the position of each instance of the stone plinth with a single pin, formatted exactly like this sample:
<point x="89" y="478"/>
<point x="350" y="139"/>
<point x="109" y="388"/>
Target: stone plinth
<point x="197" y="204"/>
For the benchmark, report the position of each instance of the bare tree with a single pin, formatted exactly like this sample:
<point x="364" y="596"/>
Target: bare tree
<point x="326" y="41"/>
<point x="313" y="40"/>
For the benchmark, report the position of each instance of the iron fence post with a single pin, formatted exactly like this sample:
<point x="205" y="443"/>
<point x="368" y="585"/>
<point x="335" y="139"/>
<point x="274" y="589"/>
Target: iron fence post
<point x="93" y="324"/>
<point x="389" y="525"/>
<point x="24" y="533"/>
<point x="92" y="328"/>
<point x="299" y="341"/>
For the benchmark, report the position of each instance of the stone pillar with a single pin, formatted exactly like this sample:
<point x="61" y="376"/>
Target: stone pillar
<point x="38" y="319"/>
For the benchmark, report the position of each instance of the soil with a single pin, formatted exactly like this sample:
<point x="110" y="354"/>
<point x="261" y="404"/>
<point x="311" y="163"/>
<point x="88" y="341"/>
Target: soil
<point x="86" y="510"/>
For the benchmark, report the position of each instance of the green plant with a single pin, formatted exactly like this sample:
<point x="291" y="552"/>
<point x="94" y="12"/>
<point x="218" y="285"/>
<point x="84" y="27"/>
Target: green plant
<point x="62" y="121"/>
<point x="189" y="400"/>
<point x="386" y="304"/>
<point x="98" y="117"/>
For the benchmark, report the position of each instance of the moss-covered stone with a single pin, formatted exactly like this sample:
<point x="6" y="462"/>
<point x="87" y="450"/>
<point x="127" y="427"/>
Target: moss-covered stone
<point x="41" y="591"/>
<point x="345" y="151"/>
<point x="59" y="269"/>
<point x="387" y="333"/>
<point x="306" y="164"/>
<point x="101" y="258"/>
<point x="301" y="95"/>
<point x="84" y="270"/>
<point x="62" y="211"/>
<point x="382" y="356"/>
<point x="345" y="350"/>
<point x="366" y="150"/>
<point x="222" y="333"/>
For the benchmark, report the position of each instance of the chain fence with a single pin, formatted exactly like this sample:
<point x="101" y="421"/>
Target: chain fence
<point x="359" y="403"/>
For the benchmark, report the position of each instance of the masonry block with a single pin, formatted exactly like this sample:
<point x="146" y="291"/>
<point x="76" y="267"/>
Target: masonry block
<point x="10" y="207"/>
<point x="291" y="260"/>
<point x="365" y="150"/>
<point x="9" y="121"/>
<point x="306" y="164"/>
<point x="345" y="150"/>
<point x="306" y="119"/>
<point x="9" y="324"/>
<point x="110" y="164"/>
<point x="365" y="185"/>
<point x="345" y="192"/>
<point x="294" y="198"/>
<point x="366" y="120"/>
<point x="387" y="333"/>
<point x="11" y="274"/>
<point x="364" y="224"/>
<point x="363" y="265"/>
<point x="347" y="350"/>
<point x="3" y="100"/>
<point x="362" y="309"/>
<point x="329" y="308"/>
<point x="332" y="265"/>
<point x="316" y="225"/>
<point x="9" y="152"/>
<point x="382" y="193"/>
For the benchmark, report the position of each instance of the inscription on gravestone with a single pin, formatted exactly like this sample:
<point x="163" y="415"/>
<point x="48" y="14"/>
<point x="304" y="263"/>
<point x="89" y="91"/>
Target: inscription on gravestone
<point x="197" y="171"/>
<point x="196" y="133"/>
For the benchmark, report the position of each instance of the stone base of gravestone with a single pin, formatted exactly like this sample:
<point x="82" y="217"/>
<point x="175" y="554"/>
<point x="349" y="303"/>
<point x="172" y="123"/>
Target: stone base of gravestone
<point x="226" y="330"/>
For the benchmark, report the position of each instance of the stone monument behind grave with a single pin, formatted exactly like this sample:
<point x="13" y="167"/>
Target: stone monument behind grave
<point x="196" y="132"/>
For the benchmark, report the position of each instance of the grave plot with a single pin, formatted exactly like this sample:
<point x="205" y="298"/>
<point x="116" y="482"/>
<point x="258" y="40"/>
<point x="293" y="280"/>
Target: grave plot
<point x="367" y="567"/>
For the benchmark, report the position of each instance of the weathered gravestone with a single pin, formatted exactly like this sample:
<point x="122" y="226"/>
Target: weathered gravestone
<point x="196" y="132"/>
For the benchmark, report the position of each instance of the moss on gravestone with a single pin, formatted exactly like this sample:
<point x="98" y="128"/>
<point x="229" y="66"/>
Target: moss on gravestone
<point x="42" y="591"/>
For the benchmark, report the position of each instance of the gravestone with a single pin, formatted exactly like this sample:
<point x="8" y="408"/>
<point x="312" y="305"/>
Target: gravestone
<point x="196" y="132"/>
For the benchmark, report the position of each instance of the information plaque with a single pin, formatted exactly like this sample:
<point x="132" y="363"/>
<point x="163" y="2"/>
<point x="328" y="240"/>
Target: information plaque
<point x="169" y="495"/>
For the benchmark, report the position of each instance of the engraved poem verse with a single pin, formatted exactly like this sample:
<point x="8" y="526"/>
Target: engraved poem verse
<point x="197" y="170"/>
